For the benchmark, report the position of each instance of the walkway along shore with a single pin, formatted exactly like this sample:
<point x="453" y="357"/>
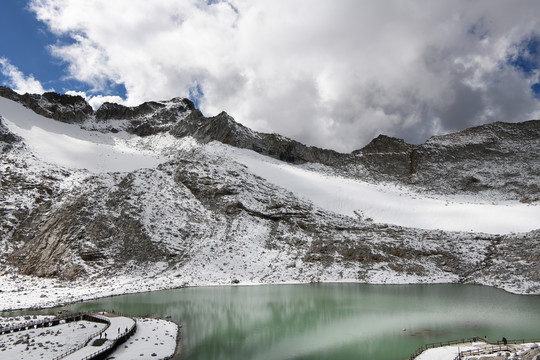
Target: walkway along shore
<point x="479" y="346"/>
<point x="118" y="328"/>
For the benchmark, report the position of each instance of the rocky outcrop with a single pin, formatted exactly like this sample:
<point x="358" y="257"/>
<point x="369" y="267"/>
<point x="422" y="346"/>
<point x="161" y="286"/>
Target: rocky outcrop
<point x="72" y="239"/>
<point x="499" y="159"/>
<point x="112" y="111"/>
<point x="387" y="157"/>
<point x="148" y="118"/>
<point x="7" y="138"/>
<point x="65" y="108"/>
<point x="224" y="129"/>
<point x="383" y="144"/>
<point x="143" y="120"/>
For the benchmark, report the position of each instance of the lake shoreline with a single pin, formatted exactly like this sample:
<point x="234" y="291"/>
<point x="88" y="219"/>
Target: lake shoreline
<point x="244" y="322"/>
<point x="63" y="302"/>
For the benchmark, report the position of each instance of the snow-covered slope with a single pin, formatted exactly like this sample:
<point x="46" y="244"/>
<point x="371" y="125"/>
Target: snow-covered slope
<point x="388" y="203"/>
<point x="168" y="209"/>
<point x="70" y="146"/>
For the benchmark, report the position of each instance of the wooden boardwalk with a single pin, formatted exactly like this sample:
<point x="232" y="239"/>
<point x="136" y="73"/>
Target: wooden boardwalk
<point x="423" y="348"/>
<point x="117" y="330"/>
<point x="483" y="349"/>
<point x="509" y="346"/>
<point x="42" y="323"/>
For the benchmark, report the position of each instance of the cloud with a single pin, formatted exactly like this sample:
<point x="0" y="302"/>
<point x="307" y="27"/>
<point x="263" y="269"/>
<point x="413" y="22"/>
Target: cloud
<point x="96" y="100"/>
<point x="18" y="81"/>
<point x="328" y="73"/>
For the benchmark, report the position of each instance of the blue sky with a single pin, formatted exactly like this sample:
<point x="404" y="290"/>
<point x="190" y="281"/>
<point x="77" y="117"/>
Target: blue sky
<point x="331" y="74"/>
<point x="26" y="45"/>
<point x="527" y="60"/>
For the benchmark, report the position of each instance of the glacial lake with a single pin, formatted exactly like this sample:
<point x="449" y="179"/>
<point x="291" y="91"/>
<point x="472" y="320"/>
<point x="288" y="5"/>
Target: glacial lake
<point x="329" y="321"/>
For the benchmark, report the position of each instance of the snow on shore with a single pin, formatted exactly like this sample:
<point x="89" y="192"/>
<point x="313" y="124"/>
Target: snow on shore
<point x="518" y="351"/>
<point x="154" y="338"/>
<point x="443" y="353"/>
<point x="46" y="343"/>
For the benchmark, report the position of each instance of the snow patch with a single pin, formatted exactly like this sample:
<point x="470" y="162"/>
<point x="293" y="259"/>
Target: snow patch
<point x="388" y="203"/>
<point x="70" y="146"/>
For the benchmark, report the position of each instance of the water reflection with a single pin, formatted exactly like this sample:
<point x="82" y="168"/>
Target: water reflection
<point x="330" y="321"/>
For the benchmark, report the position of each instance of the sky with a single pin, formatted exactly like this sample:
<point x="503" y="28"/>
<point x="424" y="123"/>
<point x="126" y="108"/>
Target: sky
<point x="333" y="74"/>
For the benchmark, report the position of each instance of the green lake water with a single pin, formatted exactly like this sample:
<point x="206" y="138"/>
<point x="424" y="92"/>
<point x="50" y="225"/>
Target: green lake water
<point x="329" y="321"/>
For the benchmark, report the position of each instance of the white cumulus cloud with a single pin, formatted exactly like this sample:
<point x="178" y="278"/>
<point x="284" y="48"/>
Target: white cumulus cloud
<point x="328" y="73"/>
<point x="18" y="81"/>
<point x="96" y="100"/>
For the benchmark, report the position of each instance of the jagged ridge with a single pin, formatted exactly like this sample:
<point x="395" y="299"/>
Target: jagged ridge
<point x="481" y="159"/>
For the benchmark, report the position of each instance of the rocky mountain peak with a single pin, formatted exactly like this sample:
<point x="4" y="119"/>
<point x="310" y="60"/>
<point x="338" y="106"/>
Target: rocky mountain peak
<point x="145" y="119"/>
<point x="148" y="118"/>
<point x="112" y="111"/>
<point x="490" y="133"/>
<point x="386" y="144"/>
<point x="65" y="108"/>
<point x="222" y="128"/>
<point x="225" y="129"/>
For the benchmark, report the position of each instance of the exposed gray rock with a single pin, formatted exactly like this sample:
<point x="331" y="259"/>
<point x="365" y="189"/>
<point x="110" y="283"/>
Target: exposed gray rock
<point x="7" y="138"/>
<point x="501" y="159"/>
<point x="65" y="108"/>
<point x="148" y="118"/>
<point x="81" y="233"/>
<point x="224" y="129"/>
<point x="387" y="157"/>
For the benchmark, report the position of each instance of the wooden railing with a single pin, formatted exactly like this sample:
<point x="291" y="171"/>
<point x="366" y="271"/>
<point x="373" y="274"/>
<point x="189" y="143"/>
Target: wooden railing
<point x="485" y="350"/>
<point x="87" y="317"/>
<point x="50" y="321"/>
<point x="121" y="339"/>
<point x="501" y="346"/>
<point x="519" y="341"/>
<point x="68" y="317"/>
<point x="423" y="348"/>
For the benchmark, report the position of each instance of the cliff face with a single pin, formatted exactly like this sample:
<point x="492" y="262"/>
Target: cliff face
<point x="499" y="159"/>
<point x="7" y="138"/>
<point x="200" y="217"/>
<point x="224" y="129"/>
<point x="65" y="108"/>
<point x="495" y="160"/>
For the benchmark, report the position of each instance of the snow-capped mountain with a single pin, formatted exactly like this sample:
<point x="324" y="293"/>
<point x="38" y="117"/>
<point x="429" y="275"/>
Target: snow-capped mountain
<point x="156" y="196"/>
